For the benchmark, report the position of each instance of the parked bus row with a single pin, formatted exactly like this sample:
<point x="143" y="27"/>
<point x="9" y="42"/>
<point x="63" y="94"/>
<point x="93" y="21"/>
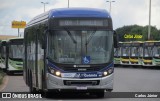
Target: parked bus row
<point x="138" y="53"/>
<point x="11" y="53"/>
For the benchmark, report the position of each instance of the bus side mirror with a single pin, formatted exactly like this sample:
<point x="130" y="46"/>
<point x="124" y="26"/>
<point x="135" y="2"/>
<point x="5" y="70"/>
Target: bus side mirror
<point x="115" y="38"/>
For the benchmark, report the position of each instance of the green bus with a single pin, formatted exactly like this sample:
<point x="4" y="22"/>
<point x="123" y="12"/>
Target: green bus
<point x="156" y="53"/>
<point x="117" y="55"/>
<point x="3" y="54"/>
<point x="136" y="51"/>
<point x="125" y="53"/>
<point x="12" y="53"/>
<point x="147" y="58"/>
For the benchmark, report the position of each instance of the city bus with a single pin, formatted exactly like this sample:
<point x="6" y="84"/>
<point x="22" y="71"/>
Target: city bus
<point x="70" y="49"/>
<point x="117" y="55"/>
<point x="156" y="53"/>
<point x="147" y="59"/>
<point x="136" y="51"/>
<point x="125" y="53"/>
<point x="3" y="54"/>
<point x="15" y="53"/>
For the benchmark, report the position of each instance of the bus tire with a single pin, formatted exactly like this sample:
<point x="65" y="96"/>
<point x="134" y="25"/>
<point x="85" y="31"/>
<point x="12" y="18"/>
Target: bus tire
<point x="47" y="94"/>
<point x="31" y="88"/>
<point x="98" y="93"/>
<point x="9" y="72"/>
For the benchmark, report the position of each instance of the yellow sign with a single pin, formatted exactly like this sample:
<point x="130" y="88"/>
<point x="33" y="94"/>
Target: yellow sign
<point x="18" y="24"/>
<point x="135" y="36"/>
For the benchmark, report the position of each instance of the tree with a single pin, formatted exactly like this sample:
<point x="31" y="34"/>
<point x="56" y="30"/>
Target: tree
<point x="133" y="30"/>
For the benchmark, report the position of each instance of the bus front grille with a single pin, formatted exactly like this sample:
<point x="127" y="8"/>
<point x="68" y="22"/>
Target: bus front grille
<point x="81" y="82"/>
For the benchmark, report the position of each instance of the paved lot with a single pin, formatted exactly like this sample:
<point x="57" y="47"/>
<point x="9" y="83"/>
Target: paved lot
<point x="125" y="80"/>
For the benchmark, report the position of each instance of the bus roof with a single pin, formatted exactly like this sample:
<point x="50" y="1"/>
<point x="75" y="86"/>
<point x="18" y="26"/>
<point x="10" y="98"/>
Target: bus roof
<point x="79" y="12"/>
<point x="70" y="12"/>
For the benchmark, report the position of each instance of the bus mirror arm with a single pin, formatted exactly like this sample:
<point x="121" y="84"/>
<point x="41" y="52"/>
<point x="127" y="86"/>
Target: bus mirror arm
<point x="115" y="38"/>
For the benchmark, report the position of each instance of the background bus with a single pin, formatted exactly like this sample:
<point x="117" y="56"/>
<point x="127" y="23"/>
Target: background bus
<point x="147" y="59"/>
<point x="70" y="49"/>
<point x="15" y="53"/>
<point x="125" y="53"/>
<point x="3" y="54"/>
<point x="156" y="53"/>
<point x="136" y="51"/>
<point x="117" y="55"/>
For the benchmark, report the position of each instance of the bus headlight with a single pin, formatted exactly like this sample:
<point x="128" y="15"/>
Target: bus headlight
<point x="105" y="73"/>
<point x="54" y="71"/>
<point x="108" y="72"/>
<point x="58" y="73"/>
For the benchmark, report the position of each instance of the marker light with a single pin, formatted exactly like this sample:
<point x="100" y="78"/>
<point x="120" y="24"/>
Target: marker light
<point x="110" y="70"/>
<point x="52" y="71"/>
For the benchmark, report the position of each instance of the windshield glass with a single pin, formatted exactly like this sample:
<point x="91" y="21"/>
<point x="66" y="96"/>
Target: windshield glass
<point x="125" y="51"/>
<point x="135" y="51"/>
<point x="74" y="46"/>
<point x="148" y="51"/>
<point x="117" y="52"/>
<point x="156" y="51"/>
<point x="16" y="51"/>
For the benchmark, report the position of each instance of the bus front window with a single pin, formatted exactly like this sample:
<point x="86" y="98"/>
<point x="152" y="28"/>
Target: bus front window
<point x="69" y="47"/>
<point x="147" y="51"/>
<point x="134" y="51"/>
<point x="16" y="51"/>
<point x="156" y="52"/>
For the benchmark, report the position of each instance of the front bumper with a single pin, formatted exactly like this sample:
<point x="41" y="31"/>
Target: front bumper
<point x="54" y="83"/>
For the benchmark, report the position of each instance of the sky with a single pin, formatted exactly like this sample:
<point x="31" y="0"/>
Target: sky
<point x="123" y="12"/>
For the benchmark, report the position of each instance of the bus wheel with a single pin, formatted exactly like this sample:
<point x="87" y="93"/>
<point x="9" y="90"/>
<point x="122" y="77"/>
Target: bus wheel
<point x="99" y="93"/>
<point x="9" y="72"/>
<point x="47" y="94"/>
<point x="31" y="88"/>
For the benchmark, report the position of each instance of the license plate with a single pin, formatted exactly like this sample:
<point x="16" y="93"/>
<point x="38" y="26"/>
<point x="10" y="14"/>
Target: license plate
<point x="81" y="88"/>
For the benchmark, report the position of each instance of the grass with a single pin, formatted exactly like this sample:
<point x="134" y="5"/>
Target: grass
<point x="2" y="74"/>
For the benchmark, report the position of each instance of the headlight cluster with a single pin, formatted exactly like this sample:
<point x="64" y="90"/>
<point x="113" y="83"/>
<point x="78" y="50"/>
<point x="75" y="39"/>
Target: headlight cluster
<point x="108" y="72"/>
<point x="54" y="71"/>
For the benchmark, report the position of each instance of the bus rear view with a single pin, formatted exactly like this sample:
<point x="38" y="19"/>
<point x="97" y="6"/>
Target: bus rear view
<point x="78" y="51"/>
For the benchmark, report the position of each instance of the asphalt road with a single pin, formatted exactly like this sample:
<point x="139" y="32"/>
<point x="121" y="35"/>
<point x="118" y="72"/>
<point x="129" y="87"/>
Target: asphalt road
<point x="125" y="80"/>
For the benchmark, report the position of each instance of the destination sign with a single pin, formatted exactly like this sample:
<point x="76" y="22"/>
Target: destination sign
<point x="157" y="43"/>
<point x="149" y="44"/>
<point x="136" y="44"/>
<point x="126" y="44"/>
<point x="80" y="22"/>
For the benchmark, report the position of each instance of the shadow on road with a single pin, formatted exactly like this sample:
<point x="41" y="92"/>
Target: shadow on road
<point x="73" y="96"/>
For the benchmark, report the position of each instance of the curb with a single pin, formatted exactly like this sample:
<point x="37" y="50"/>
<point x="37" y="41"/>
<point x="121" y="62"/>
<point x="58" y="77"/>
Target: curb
<point x="4" y="83"/>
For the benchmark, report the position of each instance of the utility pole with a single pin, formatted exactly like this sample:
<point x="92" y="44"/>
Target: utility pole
<point x="149" y="26"/>
<point x="68" y="3"/>
<point x="110" y="5"/>
<point x="44" y="3"/>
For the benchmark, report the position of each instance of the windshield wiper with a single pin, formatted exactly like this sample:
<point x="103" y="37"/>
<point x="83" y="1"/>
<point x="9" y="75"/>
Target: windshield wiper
<point x="71" y="36"/>
<point x="89" y="39"/>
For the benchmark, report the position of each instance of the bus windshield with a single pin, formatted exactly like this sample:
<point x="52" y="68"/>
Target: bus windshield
<point x="148" y="51"/>
<point x="134" y="51"/>
<point x="70" y="46"/>
<point x="156" y="51"/>
<point x="16" y="51"/>
<point x="125" y="51"/>
<point x="117" y="52"/>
